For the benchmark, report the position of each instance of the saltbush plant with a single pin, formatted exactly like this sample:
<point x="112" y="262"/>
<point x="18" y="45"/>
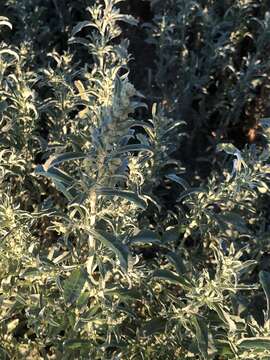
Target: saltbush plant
<point x="211" y="68"/>
<point x="107" y="251"/>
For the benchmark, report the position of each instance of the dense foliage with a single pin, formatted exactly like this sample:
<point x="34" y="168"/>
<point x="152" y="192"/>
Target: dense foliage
<point x="134" y="222"/>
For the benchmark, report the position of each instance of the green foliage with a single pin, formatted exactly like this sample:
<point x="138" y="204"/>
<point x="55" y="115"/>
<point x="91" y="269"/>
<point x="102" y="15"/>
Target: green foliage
<point x="109" y="249"/>
<point x="211" y="68"/>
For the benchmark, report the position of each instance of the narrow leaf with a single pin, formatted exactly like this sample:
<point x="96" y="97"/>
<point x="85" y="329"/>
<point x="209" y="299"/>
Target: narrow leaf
<point x="145" y="237"/>
<point x="73" y="286"/>
<point x="5" y="22"/>
<point x="177" y="261"/>
<point x="108" y="240"/>
<point x="55" y="174"/>
<point x="80" y="26"/>
<point x="131" y="294"/>
<point x="258" y="343"/>
<point x="189" y="192"/>
<point x="10" y="52"/>
<point x="125" y="194"/>
<point x="58" y="159"/>
<point x="178" y="180"/>
<point x="169" y="276"/>
<point x="224" y="316"/>
<point x="132" y="148"/>
<point x="201" y="336"/>
<point x="264" y="277"/>
<point x="228" y="148"/>
<point x="77" y="344"/>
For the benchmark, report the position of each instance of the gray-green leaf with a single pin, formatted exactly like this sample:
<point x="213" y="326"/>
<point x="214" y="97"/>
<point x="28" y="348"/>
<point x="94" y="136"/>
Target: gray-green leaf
<point x="145" y="237"/>
<point x="169" y="276"/>
<point x="258" y="343"/>
<point x="264" y="277"/>
<point x="125" y="194"/>
<point x="120" y="250"/>
<point x="73" y="286"/>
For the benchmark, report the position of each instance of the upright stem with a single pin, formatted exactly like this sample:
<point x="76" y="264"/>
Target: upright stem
<point x="91" y="239"/>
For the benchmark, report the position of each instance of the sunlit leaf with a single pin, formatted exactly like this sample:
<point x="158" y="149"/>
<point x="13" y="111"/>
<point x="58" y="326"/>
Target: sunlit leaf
<point x="257" y="343"/>
<point x="4" y="21"/>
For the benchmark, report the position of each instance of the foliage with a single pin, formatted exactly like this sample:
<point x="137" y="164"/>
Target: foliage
<point x="217" y="52"/>
<point x="109" y="250"/>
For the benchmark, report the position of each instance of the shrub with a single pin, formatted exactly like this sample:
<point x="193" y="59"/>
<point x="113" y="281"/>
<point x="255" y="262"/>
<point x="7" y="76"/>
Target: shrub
<point x="107" y="251"/>
<point x="216" y="53"/>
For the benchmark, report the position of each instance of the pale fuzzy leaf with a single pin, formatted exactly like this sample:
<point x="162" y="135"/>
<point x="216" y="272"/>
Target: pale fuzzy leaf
<point x="4" y="21"/>
<point x="258" y="343"/>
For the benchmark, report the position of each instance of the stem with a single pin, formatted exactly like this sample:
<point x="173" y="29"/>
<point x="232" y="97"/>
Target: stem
<point x="91" y="240"/>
